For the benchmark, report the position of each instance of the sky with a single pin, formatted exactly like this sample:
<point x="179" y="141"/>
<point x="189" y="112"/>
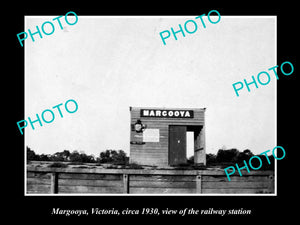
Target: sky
<point x="107" y="64"/>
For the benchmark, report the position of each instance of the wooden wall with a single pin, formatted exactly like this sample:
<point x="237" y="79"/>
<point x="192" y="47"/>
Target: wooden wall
<point x="141" y="181"/>
<point x="156" y="153"/>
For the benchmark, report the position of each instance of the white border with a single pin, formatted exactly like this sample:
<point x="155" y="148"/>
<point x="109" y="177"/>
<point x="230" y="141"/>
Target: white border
<point x="193" y="195"/>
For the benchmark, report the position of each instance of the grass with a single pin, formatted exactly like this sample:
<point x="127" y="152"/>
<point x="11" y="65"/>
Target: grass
<point x="134" y="166"/>
<point x="58" y="165"/>
<point x="75" y="163"/>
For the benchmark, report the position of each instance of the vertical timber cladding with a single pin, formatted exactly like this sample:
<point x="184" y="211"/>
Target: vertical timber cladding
<point x="158" y="135"/>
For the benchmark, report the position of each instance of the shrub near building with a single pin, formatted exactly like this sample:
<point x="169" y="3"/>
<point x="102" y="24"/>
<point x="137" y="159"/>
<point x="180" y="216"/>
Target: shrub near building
<point x="255" y="162"/>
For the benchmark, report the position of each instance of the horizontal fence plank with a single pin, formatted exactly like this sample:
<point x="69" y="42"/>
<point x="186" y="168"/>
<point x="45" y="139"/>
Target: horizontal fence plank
<point x="37" y="181"/>
<point x="96" y="183"/>
<point x="237" y="191"/>
<point x="236" y="178"/>
<point x="237" y="185"/>
<point x="39" y="175"/>
<point x="90" y="189"/>
<point x="40" y="188"/>
<point x="161" y="178"/>
<point x="86" y="176"/>
<point x="162" y="184"/>
<point x="148" y="190"/>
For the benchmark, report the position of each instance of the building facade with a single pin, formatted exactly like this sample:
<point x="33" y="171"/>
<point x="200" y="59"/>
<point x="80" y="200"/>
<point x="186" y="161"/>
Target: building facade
<point x="158" y="135"/>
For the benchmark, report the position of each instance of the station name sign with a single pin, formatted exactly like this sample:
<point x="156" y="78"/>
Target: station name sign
<point x="167" y="113"/>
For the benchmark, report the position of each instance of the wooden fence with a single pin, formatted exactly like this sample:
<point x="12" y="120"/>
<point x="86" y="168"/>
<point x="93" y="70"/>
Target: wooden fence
<point x="43" y="180"/>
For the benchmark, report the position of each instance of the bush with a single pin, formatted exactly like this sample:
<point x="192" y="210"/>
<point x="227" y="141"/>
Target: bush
<point x="211" y="159"/>
<point x="227" y="155"/>
<point x="113" y="156"/>
<point x="190" y="160"/>
<point x="31" y="156"/>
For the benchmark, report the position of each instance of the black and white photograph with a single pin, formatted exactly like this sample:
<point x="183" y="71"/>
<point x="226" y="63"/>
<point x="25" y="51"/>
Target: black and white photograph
<point x="124" y="110"/>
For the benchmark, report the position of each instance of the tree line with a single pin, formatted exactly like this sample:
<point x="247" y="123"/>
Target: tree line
<point x="223" y="158"/>
<point x="108" y="156"/>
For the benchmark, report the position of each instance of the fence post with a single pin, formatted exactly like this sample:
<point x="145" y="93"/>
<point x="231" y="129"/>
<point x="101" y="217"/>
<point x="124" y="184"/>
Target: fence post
<point x="271" y="184"/>
<point x="54" y="183"/>
<point x="126" y="183"/>
<point x="199" y="183"/>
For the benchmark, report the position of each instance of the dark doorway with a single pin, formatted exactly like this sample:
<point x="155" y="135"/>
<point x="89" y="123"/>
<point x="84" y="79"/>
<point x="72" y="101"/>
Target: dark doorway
<point x="177" y="145"/>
